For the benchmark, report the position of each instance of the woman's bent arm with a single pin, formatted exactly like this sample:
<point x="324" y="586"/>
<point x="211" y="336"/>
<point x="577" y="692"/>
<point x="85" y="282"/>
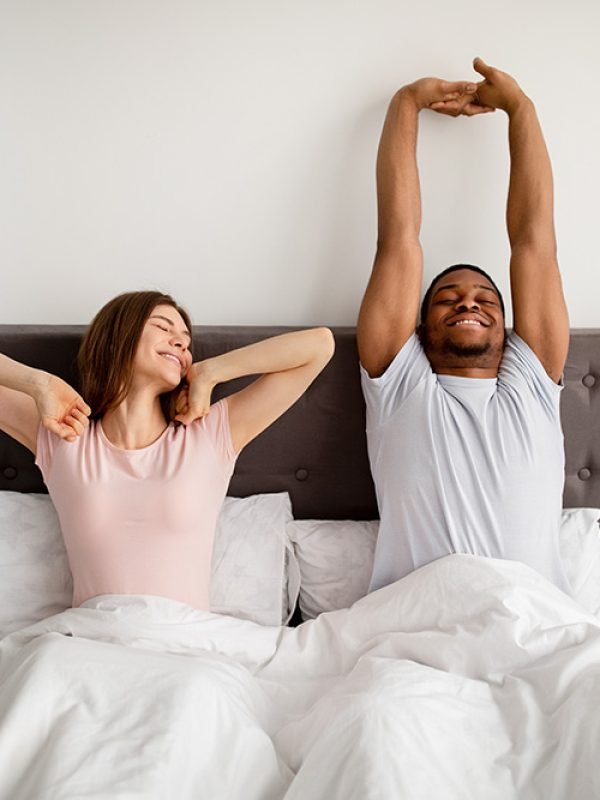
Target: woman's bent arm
<point x="288" y="365"/>
<point x="29" y="396"/>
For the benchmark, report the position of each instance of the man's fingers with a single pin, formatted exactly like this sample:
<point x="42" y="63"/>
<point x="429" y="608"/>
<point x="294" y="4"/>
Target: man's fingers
<point x="456" y="88"/>
<point x="482" y="68"/>
<point x="445" y="106"/>
<point x="454" y="108"/>
<point x="473" y="109"/>
<point x="450" y="107"/>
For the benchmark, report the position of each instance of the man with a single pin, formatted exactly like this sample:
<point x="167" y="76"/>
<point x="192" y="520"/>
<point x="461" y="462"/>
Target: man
<point x="463" y="422"/>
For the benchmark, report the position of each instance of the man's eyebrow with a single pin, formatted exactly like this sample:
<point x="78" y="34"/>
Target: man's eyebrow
<point x="455" y="285"/>
<point x="171" y="323"/>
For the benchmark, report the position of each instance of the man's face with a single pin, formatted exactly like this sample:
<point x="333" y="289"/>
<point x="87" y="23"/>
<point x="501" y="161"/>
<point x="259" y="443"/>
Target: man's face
<point x="464" y="327"/>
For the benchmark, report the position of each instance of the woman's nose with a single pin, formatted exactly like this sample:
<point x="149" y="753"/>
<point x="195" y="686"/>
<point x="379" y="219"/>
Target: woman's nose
<point x="179" y="341"/>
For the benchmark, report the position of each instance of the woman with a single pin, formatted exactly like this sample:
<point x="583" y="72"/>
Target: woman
<point x="138" y="490"/>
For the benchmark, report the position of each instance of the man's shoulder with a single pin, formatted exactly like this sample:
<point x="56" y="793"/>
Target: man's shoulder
<point x="409" y="354"/>
<point x="408" y="372"/>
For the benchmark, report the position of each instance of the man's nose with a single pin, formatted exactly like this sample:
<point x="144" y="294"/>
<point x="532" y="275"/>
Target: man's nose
<point x="468" y="305"/>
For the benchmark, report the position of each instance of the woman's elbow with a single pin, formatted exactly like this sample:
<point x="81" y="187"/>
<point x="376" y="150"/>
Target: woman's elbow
<point x="324" y="344"/>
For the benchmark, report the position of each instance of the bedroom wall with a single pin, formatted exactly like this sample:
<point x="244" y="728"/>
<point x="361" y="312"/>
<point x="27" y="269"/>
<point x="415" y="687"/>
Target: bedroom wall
<point x="224" y="151"/>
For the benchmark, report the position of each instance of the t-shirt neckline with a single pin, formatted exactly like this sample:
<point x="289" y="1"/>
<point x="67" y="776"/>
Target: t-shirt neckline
<point x="460" y="380"/>
<point x="133" y="450"/>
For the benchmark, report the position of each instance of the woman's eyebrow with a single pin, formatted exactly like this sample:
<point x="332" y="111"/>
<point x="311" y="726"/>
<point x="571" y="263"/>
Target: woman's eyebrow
<point x="171" y="323"/>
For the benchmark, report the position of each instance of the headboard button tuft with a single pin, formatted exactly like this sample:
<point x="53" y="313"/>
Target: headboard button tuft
<point x="10" y="473"/>
<point x="584" y="474"/>
<point x="588" y="380"/>
<point x="301" y="474"/>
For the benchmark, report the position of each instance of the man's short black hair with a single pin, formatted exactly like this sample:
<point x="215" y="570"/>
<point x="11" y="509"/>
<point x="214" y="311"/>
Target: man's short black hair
<point x="454" y="268"/>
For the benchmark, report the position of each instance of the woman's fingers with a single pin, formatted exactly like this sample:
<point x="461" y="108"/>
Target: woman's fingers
<point x="61" y="429"/>
<point x="76" y="425"/>
<point x="81" y="416"/>
<point x="69" y="427"/>
<point x="83" y="407"/>
<point x="191" y="405"/>
<point x="191" y="415"/>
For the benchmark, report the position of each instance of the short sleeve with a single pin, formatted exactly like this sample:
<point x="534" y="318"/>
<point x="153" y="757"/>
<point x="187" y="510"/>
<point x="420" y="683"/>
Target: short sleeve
<point x="45" y="446"/>
<point x="216" y="425"/>
<point x="386" y="393"/>
<point x="521" y="367"/>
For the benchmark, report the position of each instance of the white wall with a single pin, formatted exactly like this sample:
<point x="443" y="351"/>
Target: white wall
<point x="224" y="151"/>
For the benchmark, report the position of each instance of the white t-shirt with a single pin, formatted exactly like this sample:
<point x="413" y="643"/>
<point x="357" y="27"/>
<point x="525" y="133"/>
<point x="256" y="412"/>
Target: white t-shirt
<point x="465" y="465"/>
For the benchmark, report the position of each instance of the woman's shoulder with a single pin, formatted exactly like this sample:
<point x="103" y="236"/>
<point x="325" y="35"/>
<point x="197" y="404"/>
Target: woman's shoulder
<point x="214" y="427"/>
<point x="49" y="444"/>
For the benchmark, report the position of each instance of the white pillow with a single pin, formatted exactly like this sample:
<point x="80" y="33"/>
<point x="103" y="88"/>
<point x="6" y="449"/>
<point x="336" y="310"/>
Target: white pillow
<point x="249" y="565"/>
<point x="35" y="579"/>
<point x="251" y="558"/>
<point x="580" y="551"/>
<point x="336" y="559"/>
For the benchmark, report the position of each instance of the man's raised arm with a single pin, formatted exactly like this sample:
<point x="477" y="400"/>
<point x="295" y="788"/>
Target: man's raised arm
<point x="388" y="313"/>
<point x="539" y="310"/>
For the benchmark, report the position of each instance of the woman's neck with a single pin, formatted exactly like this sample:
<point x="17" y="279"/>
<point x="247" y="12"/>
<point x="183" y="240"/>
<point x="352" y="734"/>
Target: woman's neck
<point x="136" y="423"/>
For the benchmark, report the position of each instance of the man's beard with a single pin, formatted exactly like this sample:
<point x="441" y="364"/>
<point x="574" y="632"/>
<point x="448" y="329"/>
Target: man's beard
<point x="460" y="354"/>
<point x="465" y="350"/>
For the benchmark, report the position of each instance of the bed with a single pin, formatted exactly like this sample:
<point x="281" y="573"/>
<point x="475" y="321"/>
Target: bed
<point x="469" y="678"/>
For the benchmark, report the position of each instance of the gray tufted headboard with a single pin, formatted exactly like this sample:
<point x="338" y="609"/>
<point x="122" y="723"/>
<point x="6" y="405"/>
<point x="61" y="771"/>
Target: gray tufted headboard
<point x="317" y="451"/>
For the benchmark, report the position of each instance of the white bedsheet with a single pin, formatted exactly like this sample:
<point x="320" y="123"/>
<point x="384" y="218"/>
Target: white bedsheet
<point x="470" y="678"/>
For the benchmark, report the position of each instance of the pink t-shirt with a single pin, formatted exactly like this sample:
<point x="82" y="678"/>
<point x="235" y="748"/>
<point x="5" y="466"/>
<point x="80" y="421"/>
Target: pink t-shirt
<point x="141" y="521"/>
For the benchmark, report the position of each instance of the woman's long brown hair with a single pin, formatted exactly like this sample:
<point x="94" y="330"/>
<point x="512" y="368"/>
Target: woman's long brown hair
<point x="106" y="354"/>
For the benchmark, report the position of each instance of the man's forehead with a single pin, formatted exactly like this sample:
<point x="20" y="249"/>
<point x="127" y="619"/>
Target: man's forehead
<point x="461" y="278"/>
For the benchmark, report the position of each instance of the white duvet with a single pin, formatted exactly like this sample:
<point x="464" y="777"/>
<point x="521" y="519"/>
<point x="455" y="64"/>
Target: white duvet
<point x="470" y="678"/>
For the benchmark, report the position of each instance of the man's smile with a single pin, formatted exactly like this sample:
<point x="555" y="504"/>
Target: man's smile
<point x="472" y="321"/>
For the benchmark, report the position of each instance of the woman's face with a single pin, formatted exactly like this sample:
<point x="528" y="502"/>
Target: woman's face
<point x="163" y="354"/>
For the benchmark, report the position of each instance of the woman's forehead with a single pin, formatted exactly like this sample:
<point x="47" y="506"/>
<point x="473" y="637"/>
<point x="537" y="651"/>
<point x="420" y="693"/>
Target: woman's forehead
<point x="169" y="314"/>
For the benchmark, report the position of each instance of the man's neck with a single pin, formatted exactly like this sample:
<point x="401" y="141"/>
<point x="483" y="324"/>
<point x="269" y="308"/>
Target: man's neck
<point x="467" y="372"/>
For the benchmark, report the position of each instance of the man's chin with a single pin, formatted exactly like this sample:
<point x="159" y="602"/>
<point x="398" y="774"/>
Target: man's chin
<point x="474" y="350"/>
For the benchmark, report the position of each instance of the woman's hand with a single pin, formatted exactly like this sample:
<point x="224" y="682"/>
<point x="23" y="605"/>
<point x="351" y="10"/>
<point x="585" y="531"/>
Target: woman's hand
<point x="193" y="401"/>
<point x="287" y="364"/>
<point x="62" y="410"/>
